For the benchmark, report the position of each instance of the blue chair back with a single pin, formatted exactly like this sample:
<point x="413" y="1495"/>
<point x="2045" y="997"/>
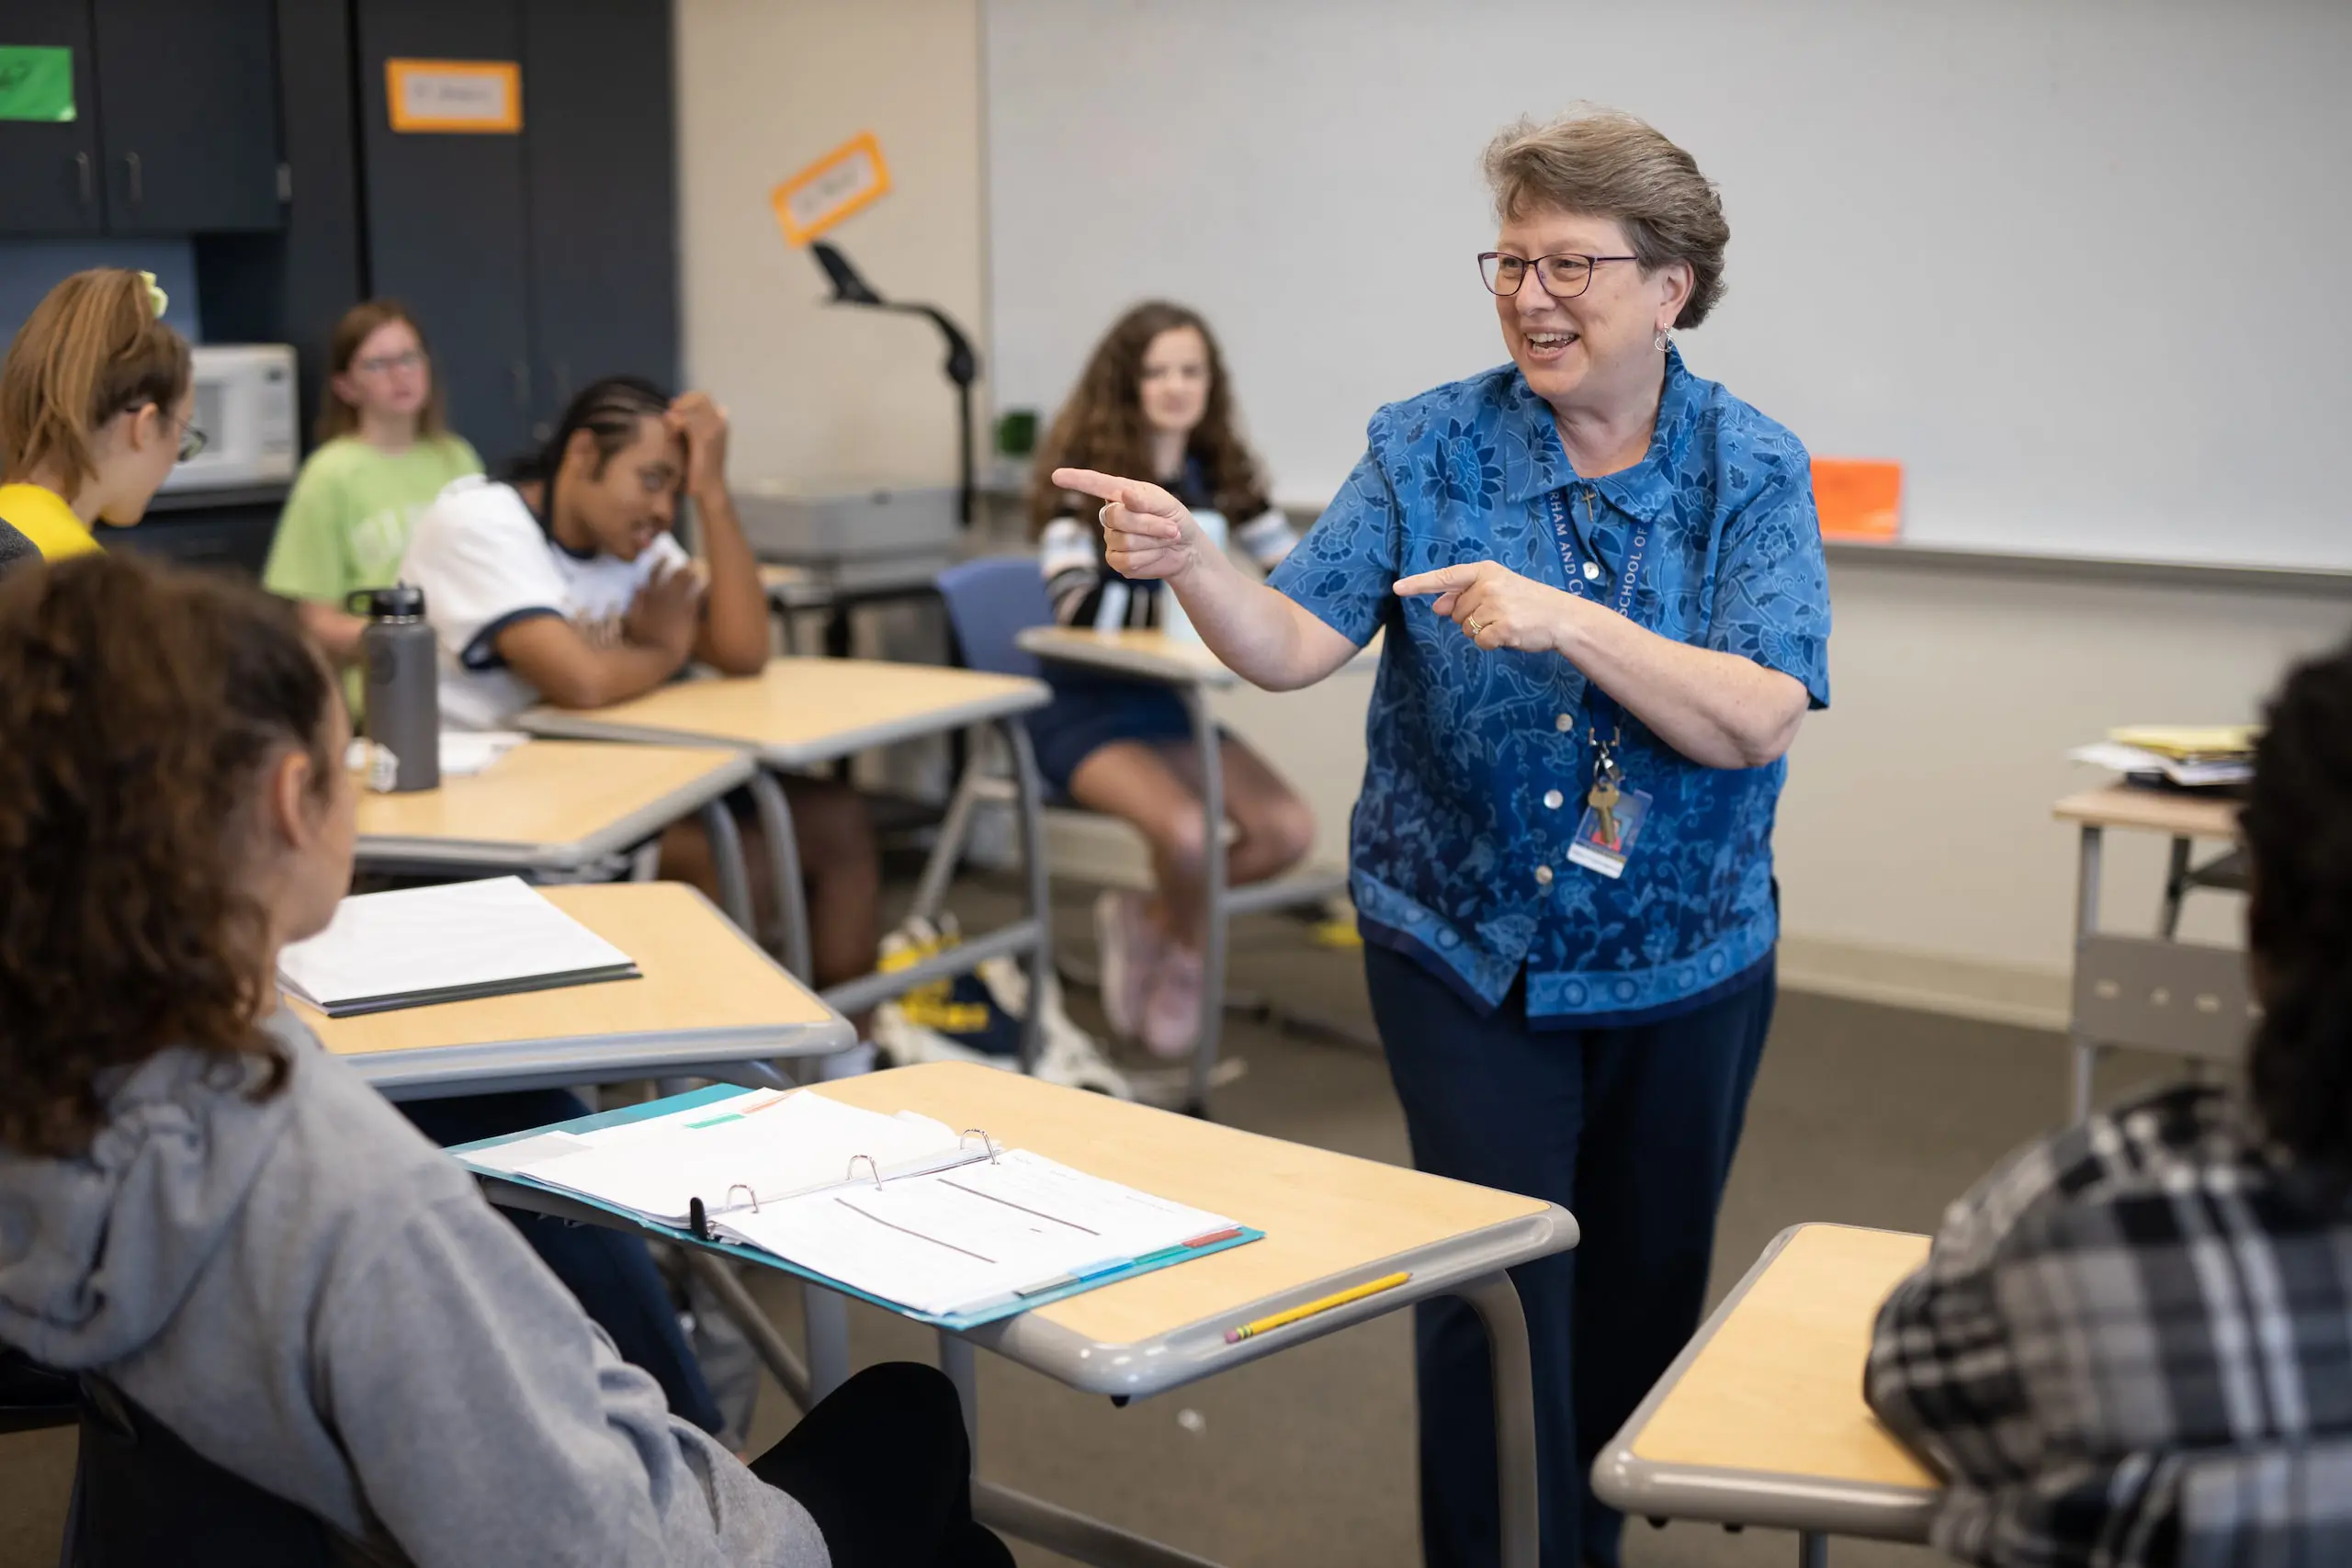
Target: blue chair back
<point x="991" y="603"/>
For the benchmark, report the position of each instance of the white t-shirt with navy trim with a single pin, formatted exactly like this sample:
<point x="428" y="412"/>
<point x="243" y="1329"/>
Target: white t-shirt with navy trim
<point x="485" y="563"/>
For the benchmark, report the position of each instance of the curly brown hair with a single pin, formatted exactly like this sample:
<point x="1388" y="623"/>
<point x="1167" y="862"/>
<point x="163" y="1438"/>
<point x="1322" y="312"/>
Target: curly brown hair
<point x="2298" y="832"/>
<point x="1102" y="424"/>
<point x="138" y="705"/>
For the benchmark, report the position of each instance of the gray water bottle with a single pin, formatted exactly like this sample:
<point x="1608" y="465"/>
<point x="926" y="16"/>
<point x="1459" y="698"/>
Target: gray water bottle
<point x="396" y="650"/>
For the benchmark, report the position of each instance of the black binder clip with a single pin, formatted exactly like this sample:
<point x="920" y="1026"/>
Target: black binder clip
<point x="697" y="1219"/>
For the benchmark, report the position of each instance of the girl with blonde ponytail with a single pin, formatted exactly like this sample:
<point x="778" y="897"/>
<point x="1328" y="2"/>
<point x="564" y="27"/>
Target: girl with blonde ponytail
<point x="94" y="408"/>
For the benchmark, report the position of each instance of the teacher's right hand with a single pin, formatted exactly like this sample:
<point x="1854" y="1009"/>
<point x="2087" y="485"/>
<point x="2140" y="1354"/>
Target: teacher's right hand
<point x="1146" y="533"/>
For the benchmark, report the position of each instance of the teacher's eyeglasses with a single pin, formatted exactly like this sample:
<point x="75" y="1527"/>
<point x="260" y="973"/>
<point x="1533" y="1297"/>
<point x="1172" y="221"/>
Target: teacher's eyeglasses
<point x="1561" y="277"/>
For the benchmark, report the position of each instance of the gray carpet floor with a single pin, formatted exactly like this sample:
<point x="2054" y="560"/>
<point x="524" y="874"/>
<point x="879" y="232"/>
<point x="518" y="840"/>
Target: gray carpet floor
<point x="1862" y="1114"/>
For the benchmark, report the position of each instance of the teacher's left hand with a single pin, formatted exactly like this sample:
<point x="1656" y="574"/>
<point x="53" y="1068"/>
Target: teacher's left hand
<point x="1495" y="607"/>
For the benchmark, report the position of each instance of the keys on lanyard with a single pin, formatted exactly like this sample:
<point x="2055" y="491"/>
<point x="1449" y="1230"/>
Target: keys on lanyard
<point x="1607" y="777"/>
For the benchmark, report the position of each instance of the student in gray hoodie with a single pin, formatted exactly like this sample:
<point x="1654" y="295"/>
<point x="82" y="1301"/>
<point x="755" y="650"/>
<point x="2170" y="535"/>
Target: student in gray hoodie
<point x="201" y="1206"/>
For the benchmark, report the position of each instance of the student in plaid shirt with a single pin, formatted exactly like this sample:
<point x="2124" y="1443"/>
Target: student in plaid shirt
<point x="2133" y="1343"/>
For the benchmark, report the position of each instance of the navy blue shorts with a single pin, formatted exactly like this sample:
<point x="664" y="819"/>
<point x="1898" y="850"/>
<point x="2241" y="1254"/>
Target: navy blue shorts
<point x="1089" y="712"/>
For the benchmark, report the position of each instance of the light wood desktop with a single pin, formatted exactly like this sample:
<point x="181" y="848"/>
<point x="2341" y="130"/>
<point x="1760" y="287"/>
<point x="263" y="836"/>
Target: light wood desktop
<point x="1323" y="1213"/>
<point x="707" y="998"/>
<point x="547" y="803"/>
<point x="2181" y="814"/>
<point x="1761" y="1421"/>
<point x="1145" y="655"/>
<point x="1331" y="1222"/>
<point x="800" y="712"/>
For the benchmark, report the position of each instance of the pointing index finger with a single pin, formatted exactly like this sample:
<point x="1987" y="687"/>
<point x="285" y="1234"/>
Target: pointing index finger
<point x="1444" y="579"/>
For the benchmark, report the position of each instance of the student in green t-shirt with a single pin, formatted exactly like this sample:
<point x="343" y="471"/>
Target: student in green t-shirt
<point x="384" y="453"/>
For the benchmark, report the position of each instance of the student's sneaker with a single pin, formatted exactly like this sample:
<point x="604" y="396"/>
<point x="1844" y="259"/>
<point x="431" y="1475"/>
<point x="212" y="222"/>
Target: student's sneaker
<point x="1171" y="1014"/>
<point x="998" y="993"/>
<point x="1128" y="948"/>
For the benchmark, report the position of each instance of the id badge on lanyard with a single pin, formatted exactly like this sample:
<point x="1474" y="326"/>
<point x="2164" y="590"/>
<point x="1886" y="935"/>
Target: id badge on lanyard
<point x="1614" y="814"/>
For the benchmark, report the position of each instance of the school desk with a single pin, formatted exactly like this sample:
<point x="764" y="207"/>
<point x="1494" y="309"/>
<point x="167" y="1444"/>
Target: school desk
<point x="710" y="1004"/>
<point x="1331" y="1222"/>
<point x="562" y="811"/>
<point x="1761" y="1420"/>
<point x="799" y="713"/>
<point x="2121" y="993"/>
<point x="1192" y="673"/>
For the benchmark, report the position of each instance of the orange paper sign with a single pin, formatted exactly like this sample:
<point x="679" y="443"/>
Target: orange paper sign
<point x="1857" y="498"/>
<point x="466" y="97"/>
<point x="850" y="177"/>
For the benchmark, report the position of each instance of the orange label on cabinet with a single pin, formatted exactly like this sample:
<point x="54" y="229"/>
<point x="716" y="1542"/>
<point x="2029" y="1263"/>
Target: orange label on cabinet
<point x="454" y="97"/>
<point x="1857" y="498"/>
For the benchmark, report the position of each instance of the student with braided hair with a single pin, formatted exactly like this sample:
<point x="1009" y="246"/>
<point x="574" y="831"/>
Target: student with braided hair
<point x="2133" y="1343"/>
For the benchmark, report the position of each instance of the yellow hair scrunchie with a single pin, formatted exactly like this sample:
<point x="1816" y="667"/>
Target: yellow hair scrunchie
<point x="156" y="298"/>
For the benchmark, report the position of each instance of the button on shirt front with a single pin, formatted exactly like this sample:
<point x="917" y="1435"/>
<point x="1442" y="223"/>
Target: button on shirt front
<point x="1460" y="753"/>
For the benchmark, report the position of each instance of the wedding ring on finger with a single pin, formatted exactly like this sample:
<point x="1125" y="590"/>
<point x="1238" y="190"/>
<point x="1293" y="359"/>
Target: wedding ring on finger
<point x="1472" y="626"/>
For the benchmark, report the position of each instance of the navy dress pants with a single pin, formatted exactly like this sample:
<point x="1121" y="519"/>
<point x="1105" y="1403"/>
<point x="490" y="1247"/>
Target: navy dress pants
<point x="1629" y="1129"/>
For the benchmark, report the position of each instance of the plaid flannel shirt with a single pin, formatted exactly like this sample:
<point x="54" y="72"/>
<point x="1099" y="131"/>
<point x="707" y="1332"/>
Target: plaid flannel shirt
<point x="2132" y="1345"/>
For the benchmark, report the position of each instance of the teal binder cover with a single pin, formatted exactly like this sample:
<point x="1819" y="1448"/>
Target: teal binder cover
<point x="715" y="1097"/>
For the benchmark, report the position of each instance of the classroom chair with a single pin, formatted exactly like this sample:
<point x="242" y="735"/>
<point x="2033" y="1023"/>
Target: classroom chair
<point x="990" y="601"/>
<point x="2183" y="998"/>
<point x="142" y="1496"/>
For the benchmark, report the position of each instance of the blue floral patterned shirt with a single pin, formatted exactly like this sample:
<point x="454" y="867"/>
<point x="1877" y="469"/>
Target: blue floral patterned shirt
<point x="1479" y="763"/>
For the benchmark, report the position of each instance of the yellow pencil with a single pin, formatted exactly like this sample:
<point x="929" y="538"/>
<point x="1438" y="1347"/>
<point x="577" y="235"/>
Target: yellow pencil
<point x="1282" y="1319"/>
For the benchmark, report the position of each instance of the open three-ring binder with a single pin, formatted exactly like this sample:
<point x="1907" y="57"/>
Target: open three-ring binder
<point x="945" y="1225"/>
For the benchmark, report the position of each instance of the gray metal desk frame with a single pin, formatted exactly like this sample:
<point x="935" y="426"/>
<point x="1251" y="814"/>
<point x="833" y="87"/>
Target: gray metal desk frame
<point x="1473" y="1265"/>
<point x="1814" y="1509"/>
<point x="582" y="860"/>
<point x="2090" y="863"/>
<point x="1192" y="684"/>
<point x="1030" y="939"/>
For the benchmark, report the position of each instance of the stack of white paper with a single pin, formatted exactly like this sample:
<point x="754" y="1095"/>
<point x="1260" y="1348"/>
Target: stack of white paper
<point x="952" y="1226"/>
<point x="465" y="752"/>
<point x="438" y="944"/>
<point x="732" y="1155"/>
<point x="2189" y="773"/>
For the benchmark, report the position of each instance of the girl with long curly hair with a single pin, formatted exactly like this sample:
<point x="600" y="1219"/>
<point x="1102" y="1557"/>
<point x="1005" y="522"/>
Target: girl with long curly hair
<point x="227" y="1226"/>
<point x="1154" y="399"/>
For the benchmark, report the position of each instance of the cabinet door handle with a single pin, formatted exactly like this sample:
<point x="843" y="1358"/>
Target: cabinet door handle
<point x="82" y="178"/>
<point x="521" y="385"/>
<point x="138" y="180"/>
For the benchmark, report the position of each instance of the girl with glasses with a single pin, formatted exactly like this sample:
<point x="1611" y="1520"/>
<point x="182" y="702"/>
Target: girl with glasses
<point x="1154" y="399"/>
<point x="385" y="451"/>
<point x="95" y="400"/>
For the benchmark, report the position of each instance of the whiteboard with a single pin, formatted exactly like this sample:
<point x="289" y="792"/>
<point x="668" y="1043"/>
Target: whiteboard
<point x="2082" y="265"/>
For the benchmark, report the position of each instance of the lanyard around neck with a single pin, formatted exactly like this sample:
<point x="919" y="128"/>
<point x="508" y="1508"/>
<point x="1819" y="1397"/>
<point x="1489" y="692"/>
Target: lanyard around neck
<point x="1598" y="703"/>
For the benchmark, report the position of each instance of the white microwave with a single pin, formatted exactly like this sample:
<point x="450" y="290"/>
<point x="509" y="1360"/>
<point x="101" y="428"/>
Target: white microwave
<point x="245" y="406"/>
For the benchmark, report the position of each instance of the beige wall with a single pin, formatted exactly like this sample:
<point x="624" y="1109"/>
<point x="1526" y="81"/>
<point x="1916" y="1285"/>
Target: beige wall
<point x="825" y="397"/>
<point x="1918" y="859"/>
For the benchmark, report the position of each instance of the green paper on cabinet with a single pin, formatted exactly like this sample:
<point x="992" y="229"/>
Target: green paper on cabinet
<point x="35" y="82"/>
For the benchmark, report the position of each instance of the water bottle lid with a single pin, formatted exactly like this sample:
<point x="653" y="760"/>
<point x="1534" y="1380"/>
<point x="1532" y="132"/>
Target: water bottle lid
<point x="401" y="602"/>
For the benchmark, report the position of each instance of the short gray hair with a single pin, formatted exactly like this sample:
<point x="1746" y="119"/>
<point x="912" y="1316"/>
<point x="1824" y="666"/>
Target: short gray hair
<point x="1608" y="163"/>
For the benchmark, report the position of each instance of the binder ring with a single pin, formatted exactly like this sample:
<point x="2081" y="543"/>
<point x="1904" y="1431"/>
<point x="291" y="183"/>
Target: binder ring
<point x="747" y="1191"/>
<point x="986" y="1142"/>
<point x="870" y="1165"/>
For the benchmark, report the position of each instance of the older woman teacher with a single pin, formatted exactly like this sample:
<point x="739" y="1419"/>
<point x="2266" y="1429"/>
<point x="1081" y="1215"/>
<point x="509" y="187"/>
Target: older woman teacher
<point x="1602" y="583"/>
